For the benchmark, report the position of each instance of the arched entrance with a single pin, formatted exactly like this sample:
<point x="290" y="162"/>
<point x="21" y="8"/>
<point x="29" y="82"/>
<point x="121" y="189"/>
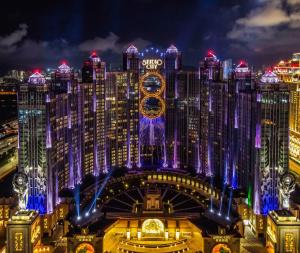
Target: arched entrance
<point x="153" y="235"/>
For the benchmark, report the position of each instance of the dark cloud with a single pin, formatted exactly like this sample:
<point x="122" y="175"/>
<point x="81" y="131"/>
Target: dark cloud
<point x="9" y="42"/>
<point x="40" y="35"/>
<point x="111" y="42"/>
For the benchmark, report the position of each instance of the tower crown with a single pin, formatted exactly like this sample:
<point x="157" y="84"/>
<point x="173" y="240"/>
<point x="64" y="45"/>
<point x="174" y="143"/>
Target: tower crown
<point x="64" y="68"/>
<point x="269" y="77"/>
<point x="242" y="67"/>
<point x="172" y="49"/>
<point x="132" y="49"/>
<point x="94" y="57"/>
<point x="37" y="78"/>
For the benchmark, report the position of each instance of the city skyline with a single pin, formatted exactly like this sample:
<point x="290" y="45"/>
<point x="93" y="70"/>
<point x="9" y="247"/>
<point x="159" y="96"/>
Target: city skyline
<point x="137" y="126"/>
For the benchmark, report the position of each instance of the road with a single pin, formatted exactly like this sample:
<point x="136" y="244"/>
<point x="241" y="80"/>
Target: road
<point x="250" y="244"/>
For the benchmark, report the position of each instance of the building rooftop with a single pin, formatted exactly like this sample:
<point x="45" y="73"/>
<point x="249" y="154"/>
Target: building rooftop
<point x="37" y="78"/>
<point x="269" y="77"/>
<point x="132" y="50"/>
<point x="284" y="217"/>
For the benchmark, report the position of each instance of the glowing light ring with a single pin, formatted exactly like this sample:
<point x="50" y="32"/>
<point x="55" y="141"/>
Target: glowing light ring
<point x="146" y="114"/>
<point x="159" y="76"/>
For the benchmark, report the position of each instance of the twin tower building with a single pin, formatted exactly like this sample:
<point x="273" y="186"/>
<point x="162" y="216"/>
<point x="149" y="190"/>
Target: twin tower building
<point x="215" y="120"/>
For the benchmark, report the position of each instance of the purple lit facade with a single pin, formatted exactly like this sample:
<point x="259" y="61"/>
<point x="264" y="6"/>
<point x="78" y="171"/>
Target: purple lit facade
<point x="152" y="115"/>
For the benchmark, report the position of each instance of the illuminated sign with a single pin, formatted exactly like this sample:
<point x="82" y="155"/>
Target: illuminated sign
<point x="221" y="248"/>
<point x="152" y="85"/>
<point x="85" y="248"/>
<point x="220" y="238"/>
<point x="153" y="226"/>
<point x="152" y="63"/>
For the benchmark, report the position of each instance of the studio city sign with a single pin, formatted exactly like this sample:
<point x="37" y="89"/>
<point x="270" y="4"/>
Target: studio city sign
<point x="152" y="63"/>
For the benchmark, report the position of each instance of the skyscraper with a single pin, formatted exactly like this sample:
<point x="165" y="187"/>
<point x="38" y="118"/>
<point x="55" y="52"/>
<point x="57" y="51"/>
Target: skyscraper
<point x="117" y="119"/>
<point x="92" y="116"/>
<point x="35" y="142"/>
<point x="212" y="104"/>
<point x="154" y="115"/>
<point x="238" y="118"/>
<point x="131" y="64"/>
<point x="271" y="141"/>
<point x="172" y="66"/>
<point x="288" y="72"/>
<point x="187" y="120"/>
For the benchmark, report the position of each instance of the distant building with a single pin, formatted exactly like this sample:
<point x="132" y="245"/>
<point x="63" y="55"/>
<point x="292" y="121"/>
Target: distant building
<point x="289" y="72"/>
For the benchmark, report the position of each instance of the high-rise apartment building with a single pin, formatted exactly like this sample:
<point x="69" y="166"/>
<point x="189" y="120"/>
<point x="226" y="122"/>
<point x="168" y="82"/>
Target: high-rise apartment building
<point x="271" y="141"/>
<point x="263" y="137"/>
<point x="131" y="65"/>
<point x="153" y="115"/>
<point x="288" y="72"/>
<point x="92" y="116"/>
<point x="35" y="142"/>
<point x="117" y="103"/>
<point x="212" y="111"/>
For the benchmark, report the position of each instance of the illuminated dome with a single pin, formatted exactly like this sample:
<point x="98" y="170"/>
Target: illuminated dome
<point x="172" y="50"/>
<point x="64" y="68"/>
<point x="269" y="77"/>
<point x="132" y="50"/>
<point x="37" y="78"/>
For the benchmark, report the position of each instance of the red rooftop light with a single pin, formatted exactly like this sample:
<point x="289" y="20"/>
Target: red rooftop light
<point x="210" y="53"/>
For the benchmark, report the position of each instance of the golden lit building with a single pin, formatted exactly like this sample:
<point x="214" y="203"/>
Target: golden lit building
<point x="23" y="232"/>
<point x="289" y="72"/>
<point x="283" y="232"/>
<point x="153" y="212"/>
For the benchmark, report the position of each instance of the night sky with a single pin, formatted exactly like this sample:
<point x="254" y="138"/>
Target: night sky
<point x="41" y="34"/>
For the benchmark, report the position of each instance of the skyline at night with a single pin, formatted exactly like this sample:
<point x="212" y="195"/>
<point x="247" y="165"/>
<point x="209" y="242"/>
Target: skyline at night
<point x="137" y="126"/>
<point x="40" y="35"/>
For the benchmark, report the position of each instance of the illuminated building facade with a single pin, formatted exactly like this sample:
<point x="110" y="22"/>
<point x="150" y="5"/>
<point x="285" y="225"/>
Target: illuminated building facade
<point x="35" y="142"/>
<point x="239" y="155"/>
<point x="157" y="99"/>
<point x="263" y="141"/>
<point x="63" y="112"/>
<point x="92" y="116"/>
<point x="289" y="72"/>
<point x="283" y="231"/>
<point x="154" y="115"/>
<point x="153" y="211"/>
<point x="24" y="232"/>
<point x="131" y="65"/>
<point x="117" y="119"/>
<point x="212" y="111"/>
